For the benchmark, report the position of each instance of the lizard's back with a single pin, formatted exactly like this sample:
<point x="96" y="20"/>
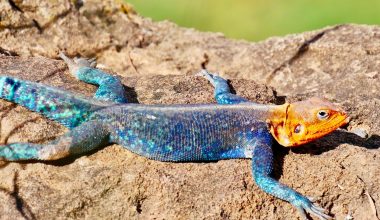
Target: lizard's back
<point x="185" y="132"/>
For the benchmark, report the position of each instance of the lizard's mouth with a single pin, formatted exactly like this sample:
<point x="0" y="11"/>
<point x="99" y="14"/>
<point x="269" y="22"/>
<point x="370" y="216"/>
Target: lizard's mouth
<point x="320" y="133"/>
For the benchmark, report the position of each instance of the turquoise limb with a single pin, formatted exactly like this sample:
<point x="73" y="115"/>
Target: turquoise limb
<point x="110" y="87"/>
<point x="67" y="108"/>
<point x="84" y="138"/>
<point x="262" y="165"/>
<point x="222" y="91"/>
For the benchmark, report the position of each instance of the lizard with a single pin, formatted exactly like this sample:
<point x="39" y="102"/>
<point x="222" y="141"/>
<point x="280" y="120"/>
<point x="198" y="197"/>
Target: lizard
<point x="232" y="128"/>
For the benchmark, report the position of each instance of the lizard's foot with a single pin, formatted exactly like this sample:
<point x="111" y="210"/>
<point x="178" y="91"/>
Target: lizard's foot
<point x="77" y="63"/>
<point x="304" y="204"/>
<point x="85" y="62"/>
<point x="222" y="90"/>
<point x="213" y="78"/>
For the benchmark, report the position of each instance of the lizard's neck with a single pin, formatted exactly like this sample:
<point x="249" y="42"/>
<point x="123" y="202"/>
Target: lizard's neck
<point x="276" y="120"/>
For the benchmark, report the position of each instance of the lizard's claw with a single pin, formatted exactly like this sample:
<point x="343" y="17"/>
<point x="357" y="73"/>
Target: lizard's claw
<point x="83" y="62"/>
<point x="304" y="204"/>
<point x="76" y="63"/>
<point x="211" y="77"/>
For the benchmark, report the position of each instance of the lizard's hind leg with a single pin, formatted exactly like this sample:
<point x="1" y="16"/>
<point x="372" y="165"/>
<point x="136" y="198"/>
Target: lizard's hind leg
<point x="110" y="87"/>
<point x="84" y="138"/>
<point x="67" y="108"/>
<point x="222" y="91"/>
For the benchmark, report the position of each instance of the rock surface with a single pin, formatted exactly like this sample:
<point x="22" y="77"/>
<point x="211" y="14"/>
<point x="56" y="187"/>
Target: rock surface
<point x="156" y="61"/>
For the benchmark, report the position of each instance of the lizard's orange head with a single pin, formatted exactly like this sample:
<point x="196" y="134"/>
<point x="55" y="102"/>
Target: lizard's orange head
<point x="306" y="121"/>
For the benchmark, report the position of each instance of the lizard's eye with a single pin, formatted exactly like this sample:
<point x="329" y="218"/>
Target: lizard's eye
<point x="297" y="129"/>
<point x="323" y="114"/>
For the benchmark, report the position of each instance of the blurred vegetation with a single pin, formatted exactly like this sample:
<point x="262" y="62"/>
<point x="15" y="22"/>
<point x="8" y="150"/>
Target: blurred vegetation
<point x="258" y="19"/>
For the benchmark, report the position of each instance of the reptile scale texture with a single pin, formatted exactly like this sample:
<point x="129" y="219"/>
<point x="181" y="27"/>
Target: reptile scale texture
<point x="233" y="128"/>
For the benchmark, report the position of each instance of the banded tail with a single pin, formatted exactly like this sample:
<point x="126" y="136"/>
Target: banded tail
<point x="67" y="108"/>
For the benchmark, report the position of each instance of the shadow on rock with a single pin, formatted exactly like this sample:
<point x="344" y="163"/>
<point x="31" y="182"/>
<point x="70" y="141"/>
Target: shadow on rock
<point x="337" y="138"/>
<point x="21" y="205"/>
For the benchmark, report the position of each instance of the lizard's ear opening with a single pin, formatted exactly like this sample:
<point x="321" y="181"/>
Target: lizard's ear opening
<point x="277" y="125"/>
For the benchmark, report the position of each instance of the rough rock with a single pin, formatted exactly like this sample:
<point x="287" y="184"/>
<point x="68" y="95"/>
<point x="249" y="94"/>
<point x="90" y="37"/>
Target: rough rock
<point x="156" y="61"/>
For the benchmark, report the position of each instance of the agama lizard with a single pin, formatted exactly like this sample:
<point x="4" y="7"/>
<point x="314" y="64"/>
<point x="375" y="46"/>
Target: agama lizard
<point x="232" y="128"/>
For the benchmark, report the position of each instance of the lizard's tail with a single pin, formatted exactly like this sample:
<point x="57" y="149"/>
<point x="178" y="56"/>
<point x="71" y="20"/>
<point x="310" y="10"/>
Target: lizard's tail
<point x="62" y="106"/>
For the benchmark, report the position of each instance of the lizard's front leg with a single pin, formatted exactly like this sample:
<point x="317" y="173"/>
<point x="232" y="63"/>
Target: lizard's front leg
<point x="222" y="91"/>
<point x="81" y="139"/>
<point x="110" y="87"/>
<point x="262" y="163"/>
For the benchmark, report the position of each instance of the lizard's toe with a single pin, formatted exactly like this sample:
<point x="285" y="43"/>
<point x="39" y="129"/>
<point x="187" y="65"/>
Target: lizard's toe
<point x="304" y="204"/>
<point x="206" y="73"/>
<point x="319" y="212"/>
<point x="83" y="62"/>
<point x="203" y="73"/>
<point x="92" y="62"/>
<point x="76" y="63"/>
<point x="211" y="77"/>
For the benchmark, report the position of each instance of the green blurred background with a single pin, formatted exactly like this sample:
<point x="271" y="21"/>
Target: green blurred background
<point x="258" y="19"/>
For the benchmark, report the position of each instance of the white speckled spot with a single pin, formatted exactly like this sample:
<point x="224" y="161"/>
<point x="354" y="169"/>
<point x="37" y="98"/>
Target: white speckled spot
<point x="248" y="153"/>
<point x="151" y="117"/>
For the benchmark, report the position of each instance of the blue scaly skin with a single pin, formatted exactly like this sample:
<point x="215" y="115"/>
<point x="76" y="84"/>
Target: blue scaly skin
<point x="233" y="128"/>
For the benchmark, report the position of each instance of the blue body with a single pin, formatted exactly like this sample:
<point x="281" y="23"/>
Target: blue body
<point x="186" y="132"/>
<point x="233" y="128"/>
